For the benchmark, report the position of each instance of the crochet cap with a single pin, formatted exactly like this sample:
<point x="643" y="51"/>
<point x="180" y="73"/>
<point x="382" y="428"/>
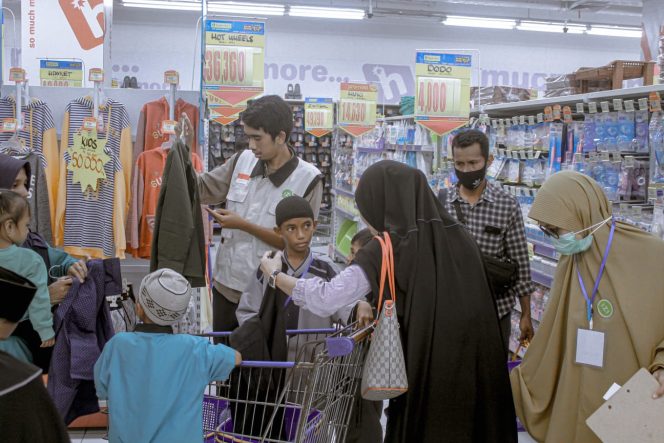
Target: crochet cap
<point x="293" y="207"/>
<point x="164" y="296"/>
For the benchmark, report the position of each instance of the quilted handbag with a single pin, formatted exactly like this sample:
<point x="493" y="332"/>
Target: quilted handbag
<point x="384" y="376"/>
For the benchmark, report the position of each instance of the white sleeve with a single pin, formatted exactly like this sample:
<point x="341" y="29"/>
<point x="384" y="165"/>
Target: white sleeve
<point x="324" y="298"/>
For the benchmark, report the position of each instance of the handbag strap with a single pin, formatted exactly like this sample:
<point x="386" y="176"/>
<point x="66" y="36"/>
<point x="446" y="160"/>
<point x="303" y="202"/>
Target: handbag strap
<point x="386" y="269"/>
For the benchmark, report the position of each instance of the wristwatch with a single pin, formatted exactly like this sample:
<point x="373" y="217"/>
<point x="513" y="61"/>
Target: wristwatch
<point x="272" y="281"/>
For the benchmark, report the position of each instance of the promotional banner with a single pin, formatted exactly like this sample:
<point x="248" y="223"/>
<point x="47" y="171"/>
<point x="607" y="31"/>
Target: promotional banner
<point x="62" y="73"/>
<point x="61" y="30"/>
<point x="357" y="108"/>
<point x="88" y="158"/>
<point x="318" y="116"/>
<point x="233" y="69"/>
<point x="442" y="98"/>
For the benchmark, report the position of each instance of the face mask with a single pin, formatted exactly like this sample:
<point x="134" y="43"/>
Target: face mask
<point x="568" y="244"/>
<point x="471" y="180"/>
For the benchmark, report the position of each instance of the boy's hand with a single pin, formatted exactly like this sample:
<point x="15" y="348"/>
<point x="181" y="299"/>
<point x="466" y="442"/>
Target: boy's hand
<point x="270" y="264"/>
<point x="48" y="343"/>
<point x="238" y="358"/>
<point x="227" y="219"/>
<point x="364" y="314"/>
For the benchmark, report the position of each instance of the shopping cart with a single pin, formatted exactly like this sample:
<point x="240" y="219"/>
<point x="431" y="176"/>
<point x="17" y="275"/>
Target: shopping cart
<point x="308" y="399"/>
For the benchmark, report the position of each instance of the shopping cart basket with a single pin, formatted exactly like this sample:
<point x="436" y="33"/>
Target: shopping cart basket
<point x="308" y="399"/>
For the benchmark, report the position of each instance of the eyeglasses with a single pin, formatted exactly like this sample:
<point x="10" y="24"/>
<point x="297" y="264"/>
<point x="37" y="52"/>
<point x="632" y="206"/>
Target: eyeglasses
<point x="549" y="232"/>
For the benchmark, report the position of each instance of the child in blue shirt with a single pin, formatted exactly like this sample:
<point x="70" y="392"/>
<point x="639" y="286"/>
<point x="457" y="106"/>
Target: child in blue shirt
<point x="154" y="380"/>
<point x="14" y="229"/>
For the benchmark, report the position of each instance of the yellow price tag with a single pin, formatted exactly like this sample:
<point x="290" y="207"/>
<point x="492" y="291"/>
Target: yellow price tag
<point x="17" y="75"/>
<point x="87" y="160"/>
<point x="357" y="112"/>
<point x="9" y="125"/>
<point x="96" y="75"/>
<point x="168" y="127"/>
<point x="172" y="78"/>
<point x="229" y="65"/>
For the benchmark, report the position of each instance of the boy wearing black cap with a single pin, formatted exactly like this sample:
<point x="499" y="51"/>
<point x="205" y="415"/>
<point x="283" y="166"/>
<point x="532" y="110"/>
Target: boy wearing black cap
<point x="27" y="412"/>
<point x="296" y="225"/>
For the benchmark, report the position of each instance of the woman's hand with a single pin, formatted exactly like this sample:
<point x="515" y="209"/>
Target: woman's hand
<point x="78" y="270"/>
<point x="659" y="375"/>
<point x="270" y="264"/>
<point x="364" y="314"/>
<point x="58" y="290"/>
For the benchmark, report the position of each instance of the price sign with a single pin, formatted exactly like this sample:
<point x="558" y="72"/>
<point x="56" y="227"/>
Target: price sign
<point x="87" y="159"/>
<point x="228" y="65"/>
<point x="438" y="97"/>
<point x="61" y="73"/>
<point x="168" y="127"/>
<point x="17" y="75"/>
<point x="443" y="84"/>
<point x="319" y="116"/>
<point x="357" y="108"/>
<point x="9" y="125"/>
<point x="172" y="78"/>
<point x="96" y="75"/>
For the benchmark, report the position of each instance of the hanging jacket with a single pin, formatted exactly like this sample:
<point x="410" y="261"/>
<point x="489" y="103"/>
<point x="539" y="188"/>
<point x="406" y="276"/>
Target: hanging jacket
<point x="178" y="237"/>
<point x="83" y="326"/>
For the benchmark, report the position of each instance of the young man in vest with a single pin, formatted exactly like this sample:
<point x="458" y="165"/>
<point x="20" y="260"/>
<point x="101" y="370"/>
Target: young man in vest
<point x="495" y="219"/>
<point x="252" y="183"/>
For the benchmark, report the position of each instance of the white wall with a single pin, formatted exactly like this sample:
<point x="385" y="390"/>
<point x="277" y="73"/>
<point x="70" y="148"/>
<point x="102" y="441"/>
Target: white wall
<point x="318" y="53"/>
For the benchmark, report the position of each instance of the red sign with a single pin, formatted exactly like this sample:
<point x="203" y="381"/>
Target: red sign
<point x="86" y="19"/>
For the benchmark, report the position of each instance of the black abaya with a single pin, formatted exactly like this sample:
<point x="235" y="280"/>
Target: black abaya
<point x="458" y="382"/>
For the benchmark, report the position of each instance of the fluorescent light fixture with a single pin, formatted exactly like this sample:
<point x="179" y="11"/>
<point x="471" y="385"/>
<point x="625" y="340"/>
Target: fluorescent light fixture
<point x="614" y="31"/>
<point x="315" y="12"/>
<point x="479" y="22"/>
<point x="195" y="5"/>
<point x="550" y="27"/>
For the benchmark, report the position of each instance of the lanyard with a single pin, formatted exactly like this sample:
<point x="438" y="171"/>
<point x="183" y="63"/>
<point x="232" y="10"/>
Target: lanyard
<point x="306" y="271"/>
<point x="591" y="300"/>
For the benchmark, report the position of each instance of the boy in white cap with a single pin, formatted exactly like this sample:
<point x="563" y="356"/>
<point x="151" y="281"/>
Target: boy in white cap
<point x="154" y="380"/>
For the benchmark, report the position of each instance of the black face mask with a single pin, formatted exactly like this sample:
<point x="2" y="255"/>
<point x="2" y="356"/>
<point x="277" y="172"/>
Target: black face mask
<point x="471" y="180"/>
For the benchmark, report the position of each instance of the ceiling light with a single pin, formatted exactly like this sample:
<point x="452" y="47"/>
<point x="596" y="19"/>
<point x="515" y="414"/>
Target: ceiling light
<point x="256" y="9"/>
<point x="479" y="22"/>
<point x="550" y="27"/>
<point x="614" y="31"/>
<point x="314" y="12"/>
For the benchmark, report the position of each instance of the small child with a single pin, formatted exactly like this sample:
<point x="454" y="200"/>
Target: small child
<point x="154" y="380"/>
<point x="360" y="240"/>
<point x="296" y="224"/>
<point x="14" y="229"/>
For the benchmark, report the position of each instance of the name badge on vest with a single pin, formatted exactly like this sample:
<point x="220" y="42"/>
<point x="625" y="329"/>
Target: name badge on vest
<point x="239" y="188"/>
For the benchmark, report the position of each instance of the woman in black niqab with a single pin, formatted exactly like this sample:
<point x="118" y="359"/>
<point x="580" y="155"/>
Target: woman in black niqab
<point x="458" y="383"/>
<point x="459" y="388"/>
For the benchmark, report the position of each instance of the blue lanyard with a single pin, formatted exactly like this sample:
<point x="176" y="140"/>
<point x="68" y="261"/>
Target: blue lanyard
<point x="306" y="271"/>
<point x="591" y="300"/>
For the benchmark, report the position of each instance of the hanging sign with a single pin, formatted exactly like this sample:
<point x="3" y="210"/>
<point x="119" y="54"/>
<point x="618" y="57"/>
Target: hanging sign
<point x="318" y="116"/>
<point x="233" y="72"/>
<point x="87" y="159"/>
<point x="357" y="108"/>
<point x="442" y="101"/>
<point x="61" y="73"/>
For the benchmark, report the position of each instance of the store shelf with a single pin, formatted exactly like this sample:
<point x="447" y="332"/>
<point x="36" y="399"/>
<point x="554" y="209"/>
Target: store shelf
<point x="347" y="214"/>
<point x="541" y="278"/>
<point x="409" y="148"/>
<point x="340" y="191"/>
<point x="536" y="106"/>
<point x="396" y="118"/>
<point x="370" y="150"/>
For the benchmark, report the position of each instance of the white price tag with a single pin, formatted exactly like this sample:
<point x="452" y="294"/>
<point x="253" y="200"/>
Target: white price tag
<point x="643" y="104"/>
<point x="96" y="75"/>
<point x="629" y="105"/>
<point x="604" y="106"/>
<point x="540" y="118"/>
<point x="9" y="125"/>
<point x="590" y="347"/>
<point x="579" y="108"/>
<point x="617" y="104"/>
<point x="522" y="120"/>
<point x="515" y="120"/>
<point x="592" y="108"/>
<point x="531" y="120"/>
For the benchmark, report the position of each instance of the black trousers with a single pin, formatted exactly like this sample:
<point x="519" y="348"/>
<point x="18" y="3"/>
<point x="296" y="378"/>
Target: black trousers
<point x="223" y="312"/>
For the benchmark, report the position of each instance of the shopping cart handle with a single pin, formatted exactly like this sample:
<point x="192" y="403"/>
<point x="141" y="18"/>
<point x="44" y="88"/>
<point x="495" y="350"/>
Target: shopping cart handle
<point x="342" y="346"/>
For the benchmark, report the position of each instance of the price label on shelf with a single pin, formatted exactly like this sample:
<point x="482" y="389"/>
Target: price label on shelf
<point x="96" y="75"/>
<point x="522" y="119"/>
<point x="515" y="120"/>
<point x="604" y="106"/>
<point x="540" y="117"/>
<point x="643" y="104"/>
<point x="17" y="75"/>
<point x="229" y="66"/>
<point x="172" y="78"/>
<point x="9" y="125"/>
<point x="438" y="97"/>
<point x="579" y="108"/>
<point x="592" y="108"/>
<point x="629" y="105"/>
<point x="531" y="120"/>
<point x="617" y="104"/>
<point x="168" y="127"/>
